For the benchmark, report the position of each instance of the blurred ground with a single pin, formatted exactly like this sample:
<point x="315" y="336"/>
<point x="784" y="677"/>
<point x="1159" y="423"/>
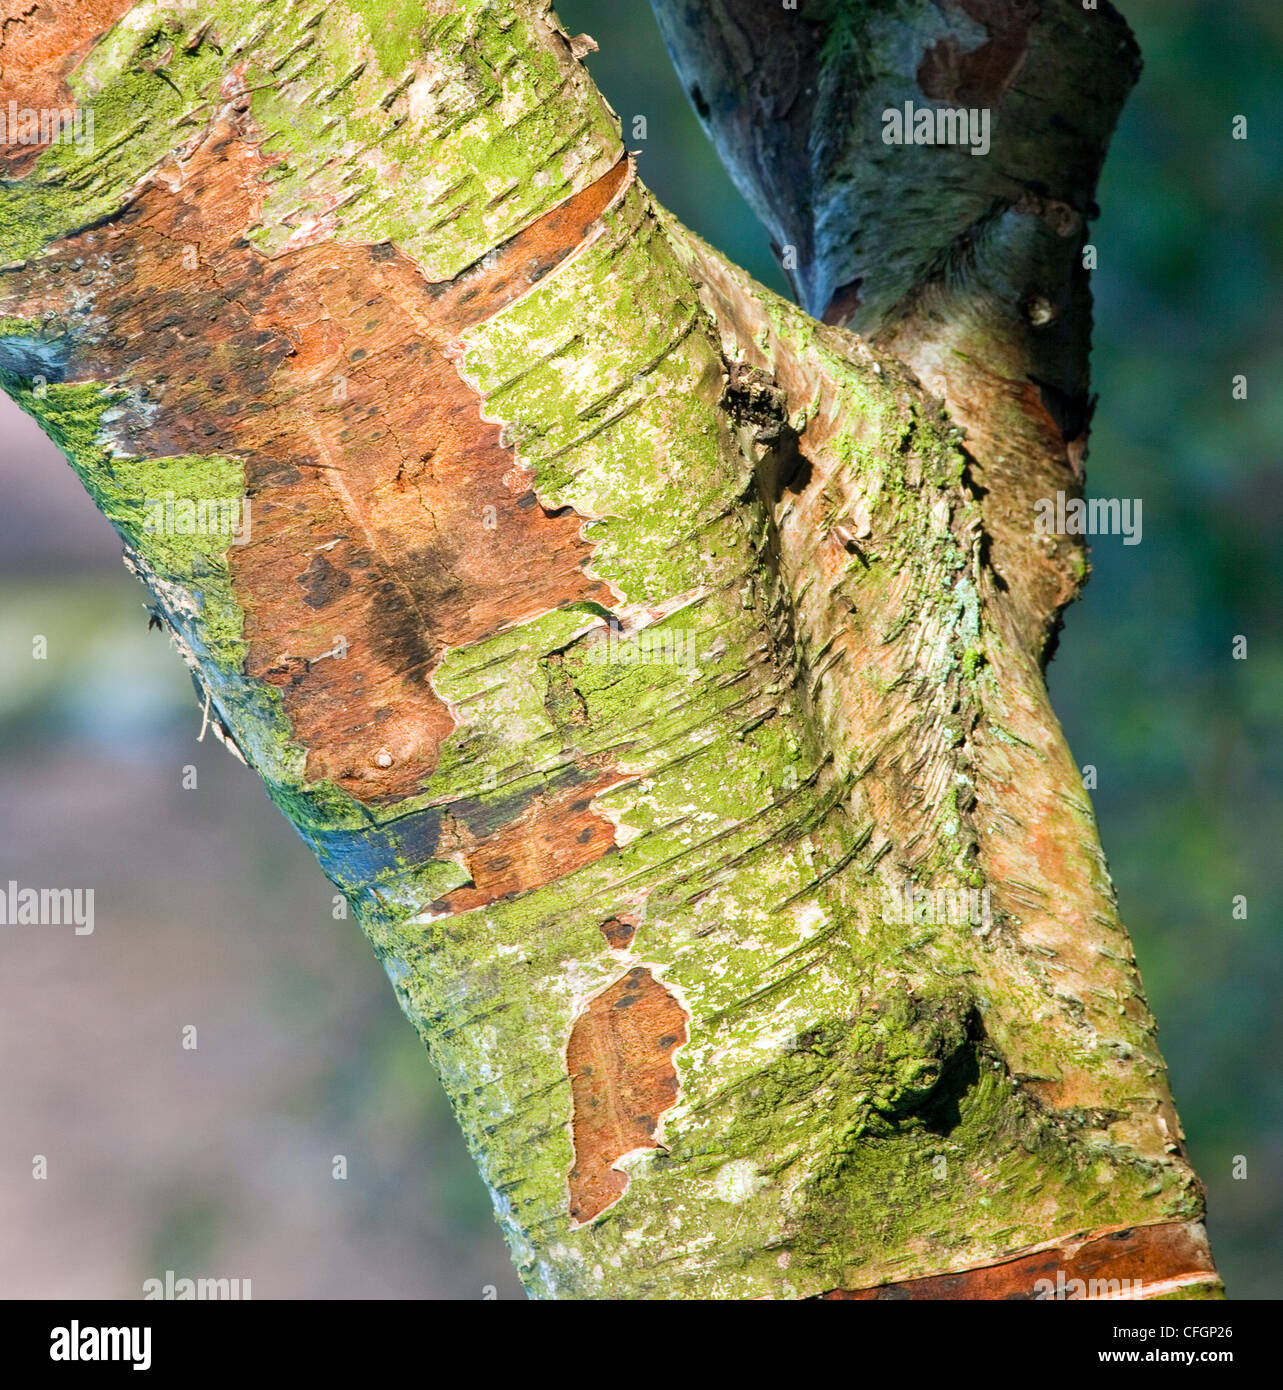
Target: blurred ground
<point x="209" y="911"/>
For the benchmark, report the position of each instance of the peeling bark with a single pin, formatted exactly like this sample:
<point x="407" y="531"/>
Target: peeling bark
<point x="622" y="1077"/>
<point x="1171" y="1261"/>
<point x="622" y="639"/>
<point x="356" y="420"/>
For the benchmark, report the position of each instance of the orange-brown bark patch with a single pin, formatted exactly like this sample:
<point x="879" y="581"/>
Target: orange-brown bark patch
<point x="552" y="838"/>
<point x="389" y="521"/>
<point x="622" y="1078"/>
<point x="619" y="932"/>
<point x="845" y="303"/>
<point x="1153" y="1255"/>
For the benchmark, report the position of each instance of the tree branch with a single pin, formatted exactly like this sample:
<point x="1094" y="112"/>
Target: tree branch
<point x="967" y="266"/>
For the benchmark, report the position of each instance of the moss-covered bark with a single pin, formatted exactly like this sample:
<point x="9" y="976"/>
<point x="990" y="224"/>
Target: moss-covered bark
<point x="620" y="638"/>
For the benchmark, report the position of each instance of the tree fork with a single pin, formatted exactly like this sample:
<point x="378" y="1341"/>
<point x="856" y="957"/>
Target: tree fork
<point x="626" y="644"/>
<point x="972" y="271"/>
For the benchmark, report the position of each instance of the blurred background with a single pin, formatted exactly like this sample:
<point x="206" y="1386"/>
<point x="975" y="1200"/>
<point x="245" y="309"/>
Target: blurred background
<point x="209" y="912"/>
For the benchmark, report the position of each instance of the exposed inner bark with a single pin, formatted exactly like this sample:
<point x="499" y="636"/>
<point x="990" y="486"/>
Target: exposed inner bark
<point x="1169" y="1259"/>
<point x="620" y="1061"/>
<point x="384" y="511"/>
<point x="980" y="76"/>
<point x="40" y="44"/>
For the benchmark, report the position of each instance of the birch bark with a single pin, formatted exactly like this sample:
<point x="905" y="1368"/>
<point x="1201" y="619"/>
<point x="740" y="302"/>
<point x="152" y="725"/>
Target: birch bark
<point x="625" y="642"/>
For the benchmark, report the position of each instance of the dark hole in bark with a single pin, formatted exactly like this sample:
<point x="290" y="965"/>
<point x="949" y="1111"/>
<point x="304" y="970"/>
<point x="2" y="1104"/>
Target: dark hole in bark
<point x="941" y="1112"/>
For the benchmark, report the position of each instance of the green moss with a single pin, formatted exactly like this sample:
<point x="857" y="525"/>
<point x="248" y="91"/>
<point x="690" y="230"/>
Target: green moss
<point x="446" y="159"/>
<point x="137" y="115"/>
<point x="1192" y="1292"/>
<point x="136" y="494"/>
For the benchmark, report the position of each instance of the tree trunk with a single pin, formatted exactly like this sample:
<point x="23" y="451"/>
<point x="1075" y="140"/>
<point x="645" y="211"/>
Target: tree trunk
<point x="654" y="668"/>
